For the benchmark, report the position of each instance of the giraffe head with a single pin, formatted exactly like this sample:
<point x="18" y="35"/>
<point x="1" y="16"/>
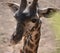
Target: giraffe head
<point x="24" y="13"/>
<point x="23" y="17"/>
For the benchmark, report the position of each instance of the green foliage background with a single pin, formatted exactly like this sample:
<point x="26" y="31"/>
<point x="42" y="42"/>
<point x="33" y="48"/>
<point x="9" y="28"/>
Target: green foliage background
<point x="55" y="24"/>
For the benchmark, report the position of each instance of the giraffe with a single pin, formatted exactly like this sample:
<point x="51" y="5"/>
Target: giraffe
<point x="32" y="33"/>
<point x="24" y="21"/>
<point x="28" y="25"/>
<point x="22" y="17"/>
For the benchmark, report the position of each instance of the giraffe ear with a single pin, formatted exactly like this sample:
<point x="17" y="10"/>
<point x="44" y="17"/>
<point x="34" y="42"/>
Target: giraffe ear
<point x="47" y="12"/>
<point x="13" y="6"/>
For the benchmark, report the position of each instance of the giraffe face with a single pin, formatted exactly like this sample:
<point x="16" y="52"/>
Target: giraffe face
<point x="24" y="16"/>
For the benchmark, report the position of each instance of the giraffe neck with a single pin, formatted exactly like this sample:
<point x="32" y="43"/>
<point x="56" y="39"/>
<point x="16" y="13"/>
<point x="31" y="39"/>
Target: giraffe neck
<point x="31" y="40"/>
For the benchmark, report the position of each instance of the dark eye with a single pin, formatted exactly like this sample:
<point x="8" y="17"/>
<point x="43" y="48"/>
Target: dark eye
<point x="33" y="20"/>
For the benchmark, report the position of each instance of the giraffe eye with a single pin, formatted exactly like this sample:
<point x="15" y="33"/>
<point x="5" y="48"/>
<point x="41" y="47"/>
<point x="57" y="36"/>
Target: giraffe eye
<point x="33" y="20"/>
